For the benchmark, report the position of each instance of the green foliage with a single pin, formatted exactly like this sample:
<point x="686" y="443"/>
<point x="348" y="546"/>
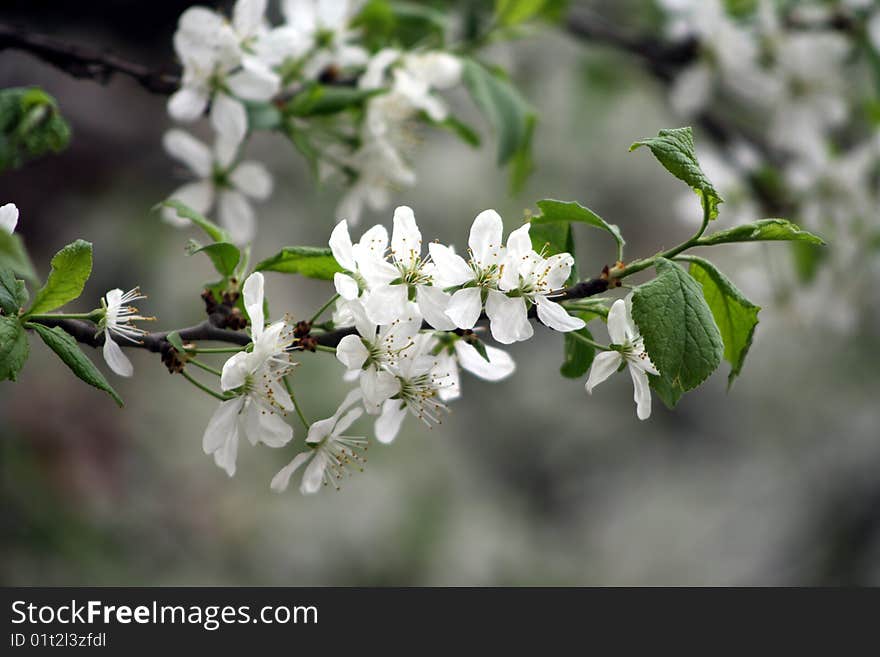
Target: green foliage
<point x="224" y="255"/>
<point x="579" y="354"/>
<point x="14" y="256"/>
<point x="555" y="211"/>
<point x="513" y="12"/>
<point x="510" y="115"/>
<point x="308" y="261"/>
<point x="263" y="116"/>
<point x="462" y="130"/>
<point x="320" y="100"/>
<point x="71" y="268"/>
<point x="176" y="342"/>
<point x="406" y="24"/>
<point x="675" y="151"/>
<point x="14" y="348"/>
<point x="13" y="293"/>
<point x="30" y="126"/>
<point x="680" y="333"/>
<point x="211" y="229"/>
<point x="736" y="316"/>
<point x="763" y="230"/>
<point x="69" y="352"/>
<point x="808" y="258"/>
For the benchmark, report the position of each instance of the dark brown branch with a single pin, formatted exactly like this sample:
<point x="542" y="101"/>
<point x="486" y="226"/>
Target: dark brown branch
<point x="83" y="62"/>
<point x="84" y="332"/>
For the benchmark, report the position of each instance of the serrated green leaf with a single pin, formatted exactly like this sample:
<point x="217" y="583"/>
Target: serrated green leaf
<point x="763" y="230"/>
<point x="508" y="112"/>
<point x="211" y="229"/>
<point x="14" y="348"/>
<point x="735" y="315"/>
<point x="677" y="325"/>
<point x="13" y="294"/>
<point x="224" y="255"/>
<point x="71" y="268"/>
<point x="675" y="150"/>
<point x="14" y="256"/>
<point x="308" y="261"/>
<point x="553" y="211"/>
<point x="578" y="354"/>
<point x="513" y="12"/>
<point x="65" y="346"/>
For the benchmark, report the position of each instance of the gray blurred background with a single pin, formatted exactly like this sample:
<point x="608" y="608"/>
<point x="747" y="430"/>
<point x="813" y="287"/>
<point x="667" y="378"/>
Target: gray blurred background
<point x="527" y="482"/>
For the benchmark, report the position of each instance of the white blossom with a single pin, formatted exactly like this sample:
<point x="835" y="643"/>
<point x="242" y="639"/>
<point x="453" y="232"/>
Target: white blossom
<point x="256" y="378"/>
<point x="331" y="453"/>
<point x="8" y="217"/>
<point x="117" y="322"/>
<point x="463" y="354"/>
<point x="324" y="28"/>
<point x="629" y="349"/>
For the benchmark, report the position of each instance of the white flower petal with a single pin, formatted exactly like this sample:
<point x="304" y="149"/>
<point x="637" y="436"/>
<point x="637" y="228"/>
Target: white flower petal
<point x="247" y="16"/>
<point x="641" y="392"/>
<point x="193" y="153"/>
<point x="389" y="422"/>
<point x="556" y="317"/>
<point x="267" y="427"/>
<point x="253" y="179"/>
<point x="8" y="217"/>
<point x="237" y="216"/>
<point x="187" y="104"/>
<point x="486" y="238"/>
<point x="255" y="81"/>
<point x="198" y="196"/>
<point x="499" y="366"/>
<point x="351" y="352"/>
<point x="406" y="239"/>
<point x="509" y="318"/>
<point x="314" y="474"/>
<point x="604" y="365"/>
<point x="519" y="243"/>
<point x="377" y="386"/>
<point x="226" y="456"/>
<point x="452" y="269"/>
<point x="253" y="292"/>
<point x="465" y="307"/>
<point x="229" y="119"/>
<point x="116" y="360"/>
<point x="346" y="286"/>
<point x="222" y="425"/>
<point x="617" y="323"/>
<point x="341" y="246"/>
<point x="433" y="302"/>
<point x="281" y="481"/>
<point x="386" y="303"/>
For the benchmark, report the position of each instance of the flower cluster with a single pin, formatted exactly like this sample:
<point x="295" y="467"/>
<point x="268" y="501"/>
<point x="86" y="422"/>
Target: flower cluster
<point x="233" y="66"/>
<point x="800" y="72"/>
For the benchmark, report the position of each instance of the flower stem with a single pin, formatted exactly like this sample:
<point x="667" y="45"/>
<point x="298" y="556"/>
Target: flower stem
<point x="586" y="340"/>
<point x="302" y="418"/>
<point x="203" y="387"/>
<point x="205" y="367"/>
<point x="323" y="308"/>
<point x="215" y="350"/>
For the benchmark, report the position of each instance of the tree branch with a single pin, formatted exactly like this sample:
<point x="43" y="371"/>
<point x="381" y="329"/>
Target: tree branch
<point x="83" y="62"/>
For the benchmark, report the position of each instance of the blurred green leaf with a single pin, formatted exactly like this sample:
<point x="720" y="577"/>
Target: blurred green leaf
<point x="308" y="261"/>
<point x="578" y="355"/>
<point x="14" y="256"/>
<point x="513" y="12"/>
<point x="71" y="268"/>
<point x="319" y="99"/>
<point x="764" y="230"/>
<point x="69" y="352"/>
<point x="211" y="229"/>
<point x="14" y="348"/>
<point x="30" y="126"/>
<point x="13" y="294"/>
<point x="553" y="211"/>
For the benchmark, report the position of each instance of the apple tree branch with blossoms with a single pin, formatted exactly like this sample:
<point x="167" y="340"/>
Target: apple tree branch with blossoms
<point x="404" y="316"/>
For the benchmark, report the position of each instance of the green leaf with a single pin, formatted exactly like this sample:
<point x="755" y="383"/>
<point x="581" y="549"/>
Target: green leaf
<point x="224" y="255"/>
<point x="318" y="99"/>
<point x="30" y="126"/>
<point x="464" y="132"/>
<point x="507" y="111"/>
<point x="176" y="342"/>
<point x="263" y="116"/>
<point x="13" y="294"/>
<point x="211" y="229"/>
<point x="513" y="12"/>
<point x="69" y="352"/>
<point x="553" y="238"/>
<point x="675" y="151"/>
<point x="14" y="256"/>
<point x="679" y="331"/>
<point x="309" y="261"/>
<point x="579" y="355"/>
<point x="14" y="348"/>
<point x="71" y="268"/>
<point x="554" y="211"/>
<point x="807" y="259"/>
<point x="735" y="315"/>
<point x="764" y="230"/>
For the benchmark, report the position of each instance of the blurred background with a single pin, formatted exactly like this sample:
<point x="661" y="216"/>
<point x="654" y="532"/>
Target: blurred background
<point x="527" y="482"/>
